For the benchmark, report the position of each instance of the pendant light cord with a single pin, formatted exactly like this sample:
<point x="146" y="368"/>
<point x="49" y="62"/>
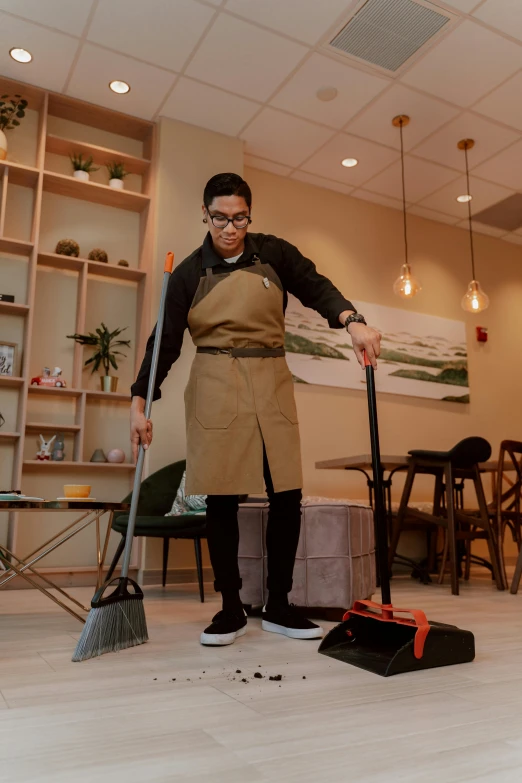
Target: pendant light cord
<point x="468" y="191"/>
<point x="404" y="198"/>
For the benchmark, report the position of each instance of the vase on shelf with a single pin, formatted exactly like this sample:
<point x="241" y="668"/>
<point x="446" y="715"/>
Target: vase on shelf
<point x="115" y="183"/>
<point x="109" y="383"/>
<point x="81" y="175"/>
<point x="3" y="145"/>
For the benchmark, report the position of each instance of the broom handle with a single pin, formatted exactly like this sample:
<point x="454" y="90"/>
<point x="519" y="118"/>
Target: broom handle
<point x="169" y="263"/>
<point x="381" y="527"/>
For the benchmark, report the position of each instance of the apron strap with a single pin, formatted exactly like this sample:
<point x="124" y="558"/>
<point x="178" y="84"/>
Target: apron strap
<point x="209" y="271"/>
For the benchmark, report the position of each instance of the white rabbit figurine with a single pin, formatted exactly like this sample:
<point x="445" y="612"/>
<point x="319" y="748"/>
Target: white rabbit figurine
<point x="45" y="448"/>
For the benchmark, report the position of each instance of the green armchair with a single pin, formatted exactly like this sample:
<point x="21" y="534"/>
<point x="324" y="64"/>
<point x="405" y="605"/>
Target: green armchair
<point x="157" y="494"/>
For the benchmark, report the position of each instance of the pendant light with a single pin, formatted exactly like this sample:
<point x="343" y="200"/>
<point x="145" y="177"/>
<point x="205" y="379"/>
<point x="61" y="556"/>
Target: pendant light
<point x="474" y="300"/>
<point x="405" y="285"/>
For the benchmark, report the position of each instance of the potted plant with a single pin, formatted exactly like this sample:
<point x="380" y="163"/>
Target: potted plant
<point x="82" y="168"/>
<point x="117" y="174"/>
<point x="104" y="342"/>
<point x="12" y="110"/>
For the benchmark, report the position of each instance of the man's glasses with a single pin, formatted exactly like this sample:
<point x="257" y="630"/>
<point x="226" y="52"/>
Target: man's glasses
<point x="220" y="221"/>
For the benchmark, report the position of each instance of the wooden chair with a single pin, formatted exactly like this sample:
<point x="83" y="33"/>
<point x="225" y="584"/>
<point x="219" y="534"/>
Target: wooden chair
<point x="157" y="494"/>
<point x="505" y="509"/>
<point x="449" y="467"/>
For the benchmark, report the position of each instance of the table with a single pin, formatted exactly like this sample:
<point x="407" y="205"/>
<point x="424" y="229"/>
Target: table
<point x="391" y="465"/>
<point x="89" y="513"/>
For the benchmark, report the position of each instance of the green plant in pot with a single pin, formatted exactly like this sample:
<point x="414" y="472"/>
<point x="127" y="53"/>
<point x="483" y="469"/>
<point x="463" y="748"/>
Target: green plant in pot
<point x="12" y="110"/>
<point x="82" y="168"/>
<point x="105" y="344"/>
<point x="117" y="174"/>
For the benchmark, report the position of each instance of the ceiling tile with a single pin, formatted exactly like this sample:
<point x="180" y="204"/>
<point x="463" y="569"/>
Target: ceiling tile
<point x="372" y="159"/>
<point x="466" y="6"/>
<point x="306" y="20"/>
<point x="355" y="89"/>
<point x="504" y="104"/>
<point x="44" y="71"/>
<point x="430" y="214"/>
<point x="458" y="69"/>
<point x="172" y="29"/>
<point x="283" y="138"/>
<point x="505" y="168"/>
<point x="244" y="59"/>
<point x="426" y="115"/>
<point x="70" y="17"/>
<point x="514" y="238"/>
<point x="484" y="195"/>
<point x="97" y="67"/>
<point x="321" y="182"/>
<point x="489" y="139"/>
<point x="421" y="177"/>
<point x="377" y="198"/>
<point x="208" y="107"/>
<point x="505" y="15"/>
<point x="266" y="165"/>
<point x="481" y="228"/>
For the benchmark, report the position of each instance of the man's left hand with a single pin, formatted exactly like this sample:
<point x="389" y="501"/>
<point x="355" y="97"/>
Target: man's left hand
<point x="364" y="338"/>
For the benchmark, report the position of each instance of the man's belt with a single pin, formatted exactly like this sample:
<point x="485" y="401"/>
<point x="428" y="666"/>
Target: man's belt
<point x="243" y="352"/>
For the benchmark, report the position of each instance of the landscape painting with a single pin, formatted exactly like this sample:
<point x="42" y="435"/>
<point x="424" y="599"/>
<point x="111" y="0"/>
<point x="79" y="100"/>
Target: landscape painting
<point x="421" y="356"/>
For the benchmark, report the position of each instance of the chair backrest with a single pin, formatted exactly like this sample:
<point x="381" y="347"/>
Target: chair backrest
<point x="508" y="494"/>
<point x="469" y="452"/>
<point x="158" y="491"/>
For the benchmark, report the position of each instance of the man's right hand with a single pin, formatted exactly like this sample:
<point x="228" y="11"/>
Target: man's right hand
<point x="140" y="427"/>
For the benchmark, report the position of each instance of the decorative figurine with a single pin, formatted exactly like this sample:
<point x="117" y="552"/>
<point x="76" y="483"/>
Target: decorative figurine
<point x="46" y="379"/>
<point x="98" y="456"/>
<point x="45" y="448"/>
<point x="58" y="449"/>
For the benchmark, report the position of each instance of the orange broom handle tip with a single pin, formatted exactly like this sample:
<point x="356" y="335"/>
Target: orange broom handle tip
<point x="367" y="362"/>
<point x="169" y="262"/>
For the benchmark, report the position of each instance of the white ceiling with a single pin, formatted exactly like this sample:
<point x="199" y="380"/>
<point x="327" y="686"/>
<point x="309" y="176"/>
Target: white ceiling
<point x="252" y="68"/>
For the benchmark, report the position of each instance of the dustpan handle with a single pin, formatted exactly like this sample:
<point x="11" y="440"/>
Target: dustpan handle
<point x="381" y="527"/>
<point x="169" y="264"/>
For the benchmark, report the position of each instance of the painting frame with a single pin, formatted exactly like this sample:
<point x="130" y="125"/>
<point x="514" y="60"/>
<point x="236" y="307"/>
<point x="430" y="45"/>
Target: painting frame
<point x="8" y="356"/>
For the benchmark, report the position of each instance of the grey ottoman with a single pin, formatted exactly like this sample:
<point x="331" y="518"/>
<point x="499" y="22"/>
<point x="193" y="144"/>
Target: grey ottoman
<point x="335" y="563"/>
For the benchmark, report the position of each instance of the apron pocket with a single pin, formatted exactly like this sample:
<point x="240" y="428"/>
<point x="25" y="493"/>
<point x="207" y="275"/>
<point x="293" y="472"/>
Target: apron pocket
<point x="216" y="395"/>
<point x="285" y="390"/>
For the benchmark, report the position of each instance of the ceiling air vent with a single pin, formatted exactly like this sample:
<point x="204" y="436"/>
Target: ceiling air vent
<point x="506" y="214"/>
<point x="387" y="33"/>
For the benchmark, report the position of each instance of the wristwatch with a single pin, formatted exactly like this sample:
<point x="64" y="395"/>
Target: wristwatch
<point x="354" y="318"/>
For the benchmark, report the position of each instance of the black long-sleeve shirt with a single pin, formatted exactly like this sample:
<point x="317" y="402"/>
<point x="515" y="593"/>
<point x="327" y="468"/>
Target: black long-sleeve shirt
<point x="298" y="276"/>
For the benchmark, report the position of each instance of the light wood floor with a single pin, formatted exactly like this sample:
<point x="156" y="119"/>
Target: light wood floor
<point x="122" y="717"/>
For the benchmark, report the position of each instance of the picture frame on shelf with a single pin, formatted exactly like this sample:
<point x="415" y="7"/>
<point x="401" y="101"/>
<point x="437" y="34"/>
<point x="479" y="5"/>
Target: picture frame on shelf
<point x="7" y="357"/>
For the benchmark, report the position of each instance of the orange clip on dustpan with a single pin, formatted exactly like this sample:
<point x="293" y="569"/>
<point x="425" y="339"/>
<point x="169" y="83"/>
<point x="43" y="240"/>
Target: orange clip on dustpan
<point x="382" y="638"/>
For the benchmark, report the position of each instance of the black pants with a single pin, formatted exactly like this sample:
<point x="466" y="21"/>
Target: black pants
<point x="282" y="537"/>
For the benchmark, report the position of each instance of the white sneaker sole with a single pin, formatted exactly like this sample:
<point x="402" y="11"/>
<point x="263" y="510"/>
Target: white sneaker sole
<point x="221" y="639"/>
<point x="293" y="633"/>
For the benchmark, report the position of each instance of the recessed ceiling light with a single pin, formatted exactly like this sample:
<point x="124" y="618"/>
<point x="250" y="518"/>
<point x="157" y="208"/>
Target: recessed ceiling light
<point x="20" y="55"/>
<point x="464" y="199"/>
<point x="349" y="162"/>
<point x="327" y="93"/>
<point x="120" y="87"/>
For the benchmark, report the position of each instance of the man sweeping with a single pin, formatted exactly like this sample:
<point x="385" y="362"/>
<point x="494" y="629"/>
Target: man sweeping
<point x="242" y="429"/>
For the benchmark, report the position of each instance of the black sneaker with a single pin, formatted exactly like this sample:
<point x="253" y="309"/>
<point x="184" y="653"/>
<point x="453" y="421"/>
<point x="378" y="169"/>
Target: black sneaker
<point x="289" y="621"/>
<point x="224" y="629"/>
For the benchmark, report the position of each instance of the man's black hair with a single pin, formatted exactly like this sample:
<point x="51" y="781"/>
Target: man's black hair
<point x="226" y="185"/>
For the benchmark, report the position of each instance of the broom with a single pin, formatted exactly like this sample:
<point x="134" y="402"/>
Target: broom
<point x="117" y="621"/>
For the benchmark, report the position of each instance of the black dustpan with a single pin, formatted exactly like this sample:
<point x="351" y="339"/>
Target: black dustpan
<point x="379" y="637"/>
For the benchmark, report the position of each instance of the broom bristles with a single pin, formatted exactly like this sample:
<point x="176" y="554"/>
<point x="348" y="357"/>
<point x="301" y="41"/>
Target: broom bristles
<point x="111" y="628"/>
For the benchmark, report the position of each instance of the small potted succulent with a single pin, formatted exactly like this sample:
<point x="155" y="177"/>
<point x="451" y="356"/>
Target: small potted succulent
<point x="117" y="174"/>
<point x="104" y="342"/>
<point x="82" y="168"/>
<point x="98" y="254"/>
<point x="67" y="247"/>
<point x="12" y="110"/>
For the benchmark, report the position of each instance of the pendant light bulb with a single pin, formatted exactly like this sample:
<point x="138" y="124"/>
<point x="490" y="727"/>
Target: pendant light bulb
<point x="474" y="300"/>
<point x="406" y="285"/>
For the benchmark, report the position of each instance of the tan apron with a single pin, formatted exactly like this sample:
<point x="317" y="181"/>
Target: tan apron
<point x="235" y="403"/>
